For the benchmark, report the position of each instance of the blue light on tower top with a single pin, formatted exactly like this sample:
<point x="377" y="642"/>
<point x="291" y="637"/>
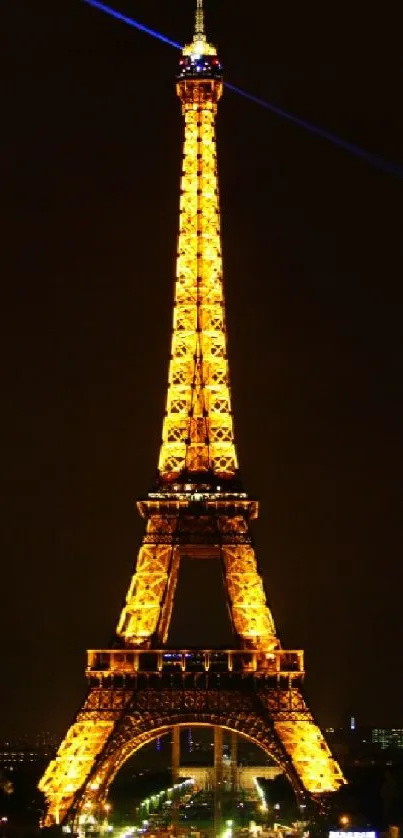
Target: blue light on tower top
<point x="199" y="67"/>
<point x="199" y="59"/>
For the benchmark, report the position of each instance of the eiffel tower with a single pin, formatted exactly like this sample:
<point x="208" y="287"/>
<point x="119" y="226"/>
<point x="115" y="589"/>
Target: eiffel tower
<point x="198" y="509"/>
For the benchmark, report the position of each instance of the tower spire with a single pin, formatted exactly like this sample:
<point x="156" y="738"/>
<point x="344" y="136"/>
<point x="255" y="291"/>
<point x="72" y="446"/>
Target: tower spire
<point x="200" y="44"/>
<point x="199" y="29"/>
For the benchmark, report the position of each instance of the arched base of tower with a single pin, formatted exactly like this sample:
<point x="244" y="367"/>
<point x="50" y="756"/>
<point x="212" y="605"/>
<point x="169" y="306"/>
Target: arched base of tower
<point x="116" y="722"/>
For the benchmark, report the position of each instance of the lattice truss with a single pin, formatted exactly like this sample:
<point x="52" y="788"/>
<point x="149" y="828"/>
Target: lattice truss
<point x="74" y="761"/>
<point x="150" y="597"/>
<point x="302" y="740"/>
<point x="251" y="616"/>
<point x="149" y="600"/>
<point x="198" y="428"/>
<point x="76" y="756"/>
<point x="310" y="755"/>
<point x="114" y="722"/>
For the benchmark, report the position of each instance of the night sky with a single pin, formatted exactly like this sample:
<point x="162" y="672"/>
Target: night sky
<point x="89" y="172"/>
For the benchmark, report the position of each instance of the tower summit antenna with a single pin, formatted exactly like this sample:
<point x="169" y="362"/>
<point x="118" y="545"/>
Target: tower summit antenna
<point x="199" y="29"/>
<point x="199" y="45"/>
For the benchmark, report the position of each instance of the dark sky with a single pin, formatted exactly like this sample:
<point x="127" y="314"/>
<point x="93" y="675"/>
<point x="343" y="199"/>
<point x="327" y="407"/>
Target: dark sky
<point x="89" y="178"/>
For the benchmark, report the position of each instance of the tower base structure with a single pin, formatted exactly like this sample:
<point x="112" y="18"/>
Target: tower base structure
<point x="136" y="696"/>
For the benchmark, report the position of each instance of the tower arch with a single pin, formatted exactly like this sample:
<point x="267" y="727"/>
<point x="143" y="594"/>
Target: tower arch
<point x="134" y="735"/>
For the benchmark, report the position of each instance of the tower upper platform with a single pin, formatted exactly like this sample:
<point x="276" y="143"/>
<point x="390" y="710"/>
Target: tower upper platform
<point x="199" y="60"/>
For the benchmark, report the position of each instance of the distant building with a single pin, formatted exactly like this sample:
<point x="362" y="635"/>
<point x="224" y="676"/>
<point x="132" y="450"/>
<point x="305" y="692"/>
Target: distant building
<point x="16" y="754"/>
<point x="388" y="737"/>
<point x="245" y="776"/>
<point x="366" y="746"/>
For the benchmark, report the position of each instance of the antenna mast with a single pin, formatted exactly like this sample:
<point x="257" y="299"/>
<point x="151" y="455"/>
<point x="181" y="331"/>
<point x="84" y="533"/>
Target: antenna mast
<point x="199" y="31"/>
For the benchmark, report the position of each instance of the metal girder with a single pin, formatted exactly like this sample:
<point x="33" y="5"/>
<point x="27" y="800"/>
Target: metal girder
<point x="82" y="744"/>
<point x="295" y="744"/>
<point x="146" y="614"/>
<point x="198" y="429"/>
<point x="150" y="596"/>
<point x="303" y="740"/>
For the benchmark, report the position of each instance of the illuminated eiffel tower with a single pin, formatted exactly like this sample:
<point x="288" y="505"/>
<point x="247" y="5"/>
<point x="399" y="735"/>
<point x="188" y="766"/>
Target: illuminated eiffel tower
<point x="198" y="509"/>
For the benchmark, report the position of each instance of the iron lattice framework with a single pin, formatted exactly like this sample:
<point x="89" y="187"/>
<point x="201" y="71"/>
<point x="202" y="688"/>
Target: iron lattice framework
<point x="198" y="509"/>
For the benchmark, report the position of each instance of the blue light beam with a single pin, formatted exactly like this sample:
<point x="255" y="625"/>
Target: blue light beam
<point x="371" y="159"/>
<point x="131" y="22"/>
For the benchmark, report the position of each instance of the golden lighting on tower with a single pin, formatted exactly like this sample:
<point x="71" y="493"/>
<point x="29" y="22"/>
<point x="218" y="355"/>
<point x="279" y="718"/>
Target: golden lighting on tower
<point x="198" y="509"/>
<point x="198" y="431"/>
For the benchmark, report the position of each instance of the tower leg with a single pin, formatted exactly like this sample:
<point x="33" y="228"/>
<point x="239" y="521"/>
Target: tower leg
<point x="251" y="616"/>
<point x="218" y="743"/>
<point x="153" y="584"/>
